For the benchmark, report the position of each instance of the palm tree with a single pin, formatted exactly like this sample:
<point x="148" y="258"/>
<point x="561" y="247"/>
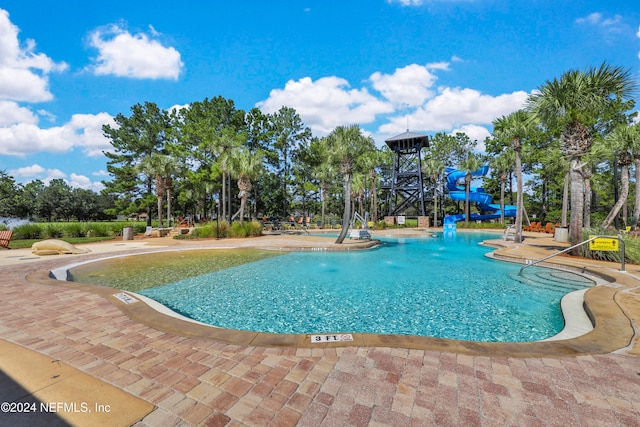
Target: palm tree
<point x="155" y="165"/>
<point x="434" y="168"/>
<point x="574" y="106"/>
<point x="225" y="145"/>
<point x="370" y="162"/>
<point x="623" y="139"/>
<point x="324" y="172"/>
<point x="346" y="146"/>
<point x="470" y="164"/>
<point x="515" y="127"/>
<point x="358" y="186"/>
<point x="635" y="150"/>
<point x="595" y="156"/>
<point x="503" y="164"/>
<point x="246" y="166"/>
<point x="171" y="167"/>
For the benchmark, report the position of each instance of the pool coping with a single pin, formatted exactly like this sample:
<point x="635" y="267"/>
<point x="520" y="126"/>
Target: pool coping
<point x="613" y="329"/>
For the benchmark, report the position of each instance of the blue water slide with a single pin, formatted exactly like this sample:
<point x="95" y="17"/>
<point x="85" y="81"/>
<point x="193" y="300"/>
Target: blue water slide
<point x="455" y="185"/>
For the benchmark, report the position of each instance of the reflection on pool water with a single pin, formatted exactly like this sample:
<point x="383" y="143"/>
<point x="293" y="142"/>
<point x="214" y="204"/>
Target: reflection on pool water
<point x="431" y="286"/>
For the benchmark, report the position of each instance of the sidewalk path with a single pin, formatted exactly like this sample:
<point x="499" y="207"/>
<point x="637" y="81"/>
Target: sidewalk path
<point x="198" y="381"/>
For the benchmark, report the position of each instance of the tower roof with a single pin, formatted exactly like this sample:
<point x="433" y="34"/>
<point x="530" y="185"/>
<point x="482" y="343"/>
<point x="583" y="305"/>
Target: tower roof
<point x="408" y="140"/>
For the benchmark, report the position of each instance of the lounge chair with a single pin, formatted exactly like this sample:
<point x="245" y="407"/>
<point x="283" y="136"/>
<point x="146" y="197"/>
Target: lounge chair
<point x="5" y="238"/>
<point x="549" y="228"/>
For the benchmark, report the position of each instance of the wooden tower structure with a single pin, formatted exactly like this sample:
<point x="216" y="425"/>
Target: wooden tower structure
<point x="407" y="185"/>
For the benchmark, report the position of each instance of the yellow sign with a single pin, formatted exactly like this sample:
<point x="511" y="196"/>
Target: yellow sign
<point x="603" y="244"/>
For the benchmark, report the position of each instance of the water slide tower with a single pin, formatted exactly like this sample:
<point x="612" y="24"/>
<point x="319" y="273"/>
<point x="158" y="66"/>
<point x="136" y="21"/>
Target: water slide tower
<point x="407" y="185"/>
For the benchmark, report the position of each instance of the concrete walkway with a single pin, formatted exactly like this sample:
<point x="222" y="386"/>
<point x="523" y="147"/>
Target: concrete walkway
<point x="195" y="380"/>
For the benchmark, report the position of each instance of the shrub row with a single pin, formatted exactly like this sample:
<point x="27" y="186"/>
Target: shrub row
<point x="223" y="230"/>
<point x="56" y="230"/>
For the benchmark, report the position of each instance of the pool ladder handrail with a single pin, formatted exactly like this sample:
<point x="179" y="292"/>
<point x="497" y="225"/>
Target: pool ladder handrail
<point x="534" y="262"/>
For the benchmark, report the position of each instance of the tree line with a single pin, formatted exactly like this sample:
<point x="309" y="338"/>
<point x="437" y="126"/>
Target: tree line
<point x="569" y="151"/>
<point x="55" y="201"/>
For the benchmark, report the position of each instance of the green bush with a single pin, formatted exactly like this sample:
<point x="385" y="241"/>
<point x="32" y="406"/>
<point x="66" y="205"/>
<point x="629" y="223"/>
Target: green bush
<point x="27" y="231"/>
<point x="73" y="229"/>
<point x="99" y="229"/>
<point x="381" y="224"/>
<point x="238" y="230"/>
<point x="222" y="231"/>
<point x="256" y="228"/>
<point x="115" y="228"/>
<point x="138" y="227"/>
<point x="247" y="229"/>
<point x="211" y="230"/>
<point x="203" y="232"/>
<point x="50" y="231"/>
<point x="631" y="246"/>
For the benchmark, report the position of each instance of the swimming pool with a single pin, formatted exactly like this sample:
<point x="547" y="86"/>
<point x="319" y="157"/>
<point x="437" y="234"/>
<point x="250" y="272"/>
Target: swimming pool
<point x="430" y="286"/>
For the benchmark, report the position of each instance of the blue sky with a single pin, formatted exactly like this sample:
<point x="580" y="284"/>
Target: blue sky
<point x="68" y="67"/>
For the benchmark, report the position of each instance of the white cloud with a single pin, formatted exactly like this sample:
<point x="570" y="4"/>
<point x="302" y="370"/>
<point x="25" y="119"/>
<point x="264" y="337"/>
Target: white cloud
<point x="612" y="25"/>
<point x="11" y="113"/>
<point x="88" y="128"/>
<point x="177" y="107"/>
<point x="23" y="73"/>
<point x="30" y="173"/>
<point x="638" y="35"/>
<point x="421" y="2"/>
<point x="138" y="56"/>
<point x="27" y="138"/>
<point x="330" y="101"/>
<point x="48" y="115"/>
<point x="406" y="2"/>
<point x="83" y="130"/>
<point x="326" y="103"/>
<point x="596" y="18"/>
<point x="54" y="174"/>
<point x="35" y="171"/>
<point x="455" y="107"/>
<point x="410" y="85"/>
<point x="475" y="133"/>
<point x="593" y="18"/>
<point x="81" y="181"/>
<point x="27" y="171"/>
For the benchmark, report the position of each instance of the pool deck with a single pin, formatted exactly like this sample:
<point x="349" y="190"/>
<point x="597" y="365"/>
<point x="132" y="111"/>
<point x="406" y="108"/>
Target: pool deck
<point x="73" y="354"/>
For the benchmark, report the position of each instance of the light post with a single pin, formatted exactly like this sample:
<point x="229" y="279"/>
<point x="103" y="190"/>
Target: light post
<point x="217" y="217"/>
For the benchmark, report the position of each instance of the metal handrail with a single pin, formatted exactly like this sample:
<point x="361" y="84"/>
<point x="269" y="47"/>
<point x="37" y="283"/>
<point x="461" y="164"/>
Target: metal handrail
<point x="509" y="228"/>
<point x="529" y="264"/>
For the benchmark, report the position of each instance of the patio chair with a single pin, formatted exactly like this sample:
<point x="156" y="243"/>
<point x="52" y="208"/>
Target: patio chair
<point x="5" y="238"/>
<point x="549" y="228"/>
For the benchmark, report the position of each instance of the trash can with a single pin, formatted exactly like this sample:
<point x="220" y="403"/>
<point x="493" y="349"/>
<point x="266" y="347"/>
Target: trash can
<point x="561" y="234"/>
<point x="127" y="233"/>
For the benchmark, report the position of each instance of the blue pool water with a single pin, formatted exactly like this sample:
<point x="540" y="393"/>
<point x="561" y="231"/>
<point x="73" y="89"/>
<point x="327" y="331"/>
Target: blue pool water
<point x="429" y="286"/>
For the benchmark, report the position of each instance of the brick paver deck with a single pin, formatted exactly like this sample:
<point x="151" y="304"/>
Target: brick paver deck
<point x="202" y="382"/>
